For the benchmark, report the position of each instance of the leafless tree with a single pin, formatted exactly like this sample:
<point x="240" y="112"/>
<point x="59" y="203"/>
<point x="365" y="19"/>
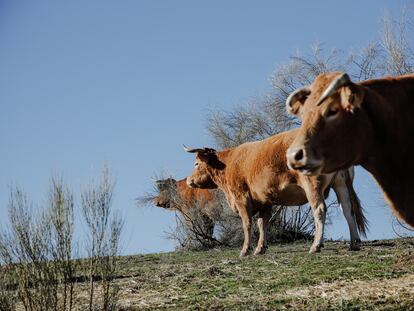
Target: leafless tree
<point x="264" y="116"/>
<point x="104" y="231"/>
<point x="38" y="266"/>
<point x="193" y="231"/>
<point x="258" y="119"/>
<point x="7" y="296"/>
<point x="36" y="252"/>
<point x="62" y="222"/>
<point x="399" y="56"/>
<point x="367" y="63"/>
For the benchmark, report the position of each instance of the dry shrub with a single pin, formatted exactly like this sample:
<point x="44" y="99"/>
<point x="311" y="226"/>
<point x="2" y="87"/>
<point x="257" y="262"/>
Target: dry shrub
<point x="287" y="224"/>
<point x="104" y="231"/>
<point x="7" y="294"/>
<point x="37" y="250"/>
<point x="38" y="266"/>
<point x="195" y="221"/>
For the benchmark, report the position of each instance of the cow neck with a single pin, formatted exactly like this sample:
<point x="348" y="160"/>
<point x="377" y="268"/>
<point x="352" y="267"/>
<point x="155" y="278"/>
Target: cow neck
<point x="389" y="159"/>
<point x="179" y="188"/>
<point x="218" y="175"/>
<point x="181" y="185"/>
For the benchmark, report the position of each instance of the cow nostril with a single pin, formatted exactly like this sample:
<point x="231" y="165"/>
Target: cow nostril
<point x="298" y="155"/>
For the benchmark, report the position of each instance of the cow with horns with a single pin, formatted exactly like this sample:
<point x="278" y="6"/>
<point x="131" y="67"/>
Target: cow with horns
<point x="254" y="177"/>
<point x="370" y="123"/>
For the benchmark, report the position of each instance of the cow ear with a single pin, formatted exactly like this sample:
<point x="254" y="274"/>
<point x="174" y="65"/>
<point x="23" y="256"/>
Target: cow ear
<point x="207" y="155"/>
<point x="352" y="97"/>
<point x="211" y="159"/>
<point x="296" y="100"/>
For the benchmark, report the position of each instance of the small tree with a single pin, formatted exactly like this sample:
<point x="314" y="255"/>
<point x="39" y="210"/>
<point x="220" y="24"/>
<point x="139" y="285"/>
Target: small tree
<point x="36" y="252"/>
<point x="104" y="231"/>
<point x="61" y="219"/>
<point x="37" y="265"/>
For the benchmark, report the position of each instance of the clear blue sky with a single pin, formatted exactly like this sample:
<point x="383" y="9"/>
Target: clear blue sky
<point x="127" y="82"/>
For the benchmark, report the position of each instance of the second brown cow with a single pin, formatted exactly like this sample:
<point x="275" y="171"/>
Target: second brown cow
<point x="254" y="177"/>
<point x="177" y="196"/>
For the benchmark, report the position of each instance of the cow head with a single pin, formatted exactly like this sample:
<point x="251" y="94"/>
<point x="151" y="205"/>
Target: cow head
<point x="166" y="188"/>
<point x="205" y="166"/>
<point x="331" y="135"/>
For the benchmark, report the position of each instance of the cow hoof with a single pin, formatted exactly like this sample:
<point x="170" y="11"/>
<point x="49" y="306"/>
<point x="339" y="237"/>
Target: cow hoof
<point x="245" y="253"/>
<point x="355" y="246"/>
<point x="315" y="249"/>
<point x="260" y="251"/>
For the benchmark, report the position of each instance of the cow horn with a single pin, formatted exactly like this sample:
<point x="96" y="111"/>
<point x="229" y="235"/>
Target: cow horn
<point x="192" y="150"/>
<point x="195" y="150"/>
<point x="297" y="95"/>
<point x="339" y="82"/>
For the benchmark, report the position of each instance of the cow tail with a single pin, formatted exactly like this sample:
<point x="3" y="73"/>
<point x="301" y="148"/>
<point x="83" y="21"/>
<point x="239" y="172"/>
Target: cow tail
<point x="356" y="206"/>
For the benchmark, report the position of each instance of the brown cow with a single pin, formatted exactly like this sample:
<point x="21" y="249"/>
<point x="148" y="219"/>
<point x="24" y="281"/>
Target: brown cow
<point x="370" y="123"/>
<point x="177" y="196"/>
<point x="254" y="177"/>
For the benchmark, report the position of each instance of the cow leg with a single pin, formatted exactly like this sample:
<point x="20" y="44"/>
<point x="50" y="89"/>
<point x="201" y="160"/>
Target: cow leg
<point x="345" y="204"/>
<point x="319" y="216"/>
<point x="264" y="216"/>
<point x="246" y="217"/>
<point x="208" y="227"/>
<point x="314" y="193"/>
<point x="313" y="187"/>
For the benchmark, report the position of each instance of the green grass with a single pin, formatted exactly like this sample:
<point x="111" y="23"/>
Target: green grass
<point x="380" y="276"/>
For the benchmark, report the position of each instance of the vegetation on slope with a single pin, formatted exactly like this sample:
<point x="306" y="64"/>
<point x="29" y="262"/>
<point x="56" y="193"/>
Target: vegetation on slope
<point x="380" y="276"/>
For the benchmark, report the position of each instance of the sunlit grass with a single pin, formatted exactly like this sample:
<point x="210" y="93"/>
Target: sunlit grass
<point x="381" y="276"/>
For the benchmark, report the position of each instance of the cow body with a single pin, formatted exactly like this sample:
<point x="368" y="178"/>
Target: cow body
<point x="254" y="177"/>
<point x="177" y="196"/>
<point x="370" y="123"/>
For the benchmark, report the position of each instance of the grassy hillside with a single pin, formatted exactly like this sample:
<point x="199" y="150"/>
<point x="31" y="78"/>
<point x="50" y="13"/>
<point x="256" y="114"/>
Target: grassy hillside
<point x="380" y="277"/>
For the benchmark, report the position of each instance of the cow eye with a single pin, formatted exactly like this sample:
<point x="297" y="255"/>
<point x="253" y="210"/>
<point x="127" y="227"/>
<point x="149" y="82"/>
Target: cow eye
<point x="333" y="111"/>
<point x="195" y="164"/>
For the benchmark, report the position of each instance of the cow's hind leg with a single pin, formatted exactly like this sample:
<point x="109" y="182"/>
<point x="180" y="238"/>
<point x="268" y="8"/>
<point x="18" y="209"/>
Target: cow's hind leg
<point x="208" y="227"/>
<point x="264" y="216"/>
<point x="345" y="203"/>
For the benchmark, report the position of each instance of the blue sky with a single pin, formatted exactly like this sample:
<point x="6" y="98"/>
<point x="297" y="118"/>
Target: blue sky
<point x="127" y="82"/>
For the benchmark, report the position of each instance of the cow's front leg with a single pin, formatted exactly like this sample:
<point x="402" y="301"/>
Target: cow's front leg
<point x="314" y="193"/>
<point x="264" y="217"/>
<point x="246" y="218"/>
<point x="319" y="216"/>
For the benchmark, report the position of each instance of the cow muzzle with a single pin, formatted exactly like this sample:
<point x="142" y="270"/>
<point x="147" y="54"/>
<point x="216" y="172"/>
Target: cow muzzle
<point x="300" y="159"/>
<point x="191" y="183"/>
<point x="162" y="203"/>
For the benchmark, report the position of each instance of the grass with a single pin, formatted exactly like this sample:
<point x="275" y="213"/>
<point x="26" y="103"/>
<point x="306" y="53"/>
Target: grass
<point x="379" y="277"/>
